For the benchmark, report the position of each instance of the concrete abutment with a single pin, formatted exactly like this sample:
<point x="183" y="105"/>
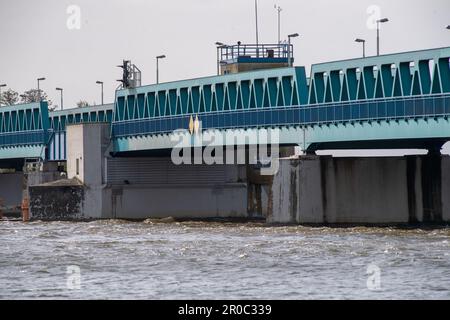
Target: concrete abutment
<point x="385" y="190"/>
<point x="309" y="189"/>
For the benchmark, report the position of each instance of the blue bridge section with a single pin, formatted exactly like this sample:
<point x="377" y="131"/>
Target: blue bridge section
<point x="391" y="101"/>
<point x="31" y="131"/>
<point x="60" y="119"/>
<point x="23" y="130"/>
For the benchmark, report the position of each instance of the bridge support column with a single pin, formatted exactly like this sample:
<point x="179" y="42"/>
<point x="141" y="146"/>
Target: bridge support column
<point x="431" y="183"/>
<point x="102" y="187"/>
<point x="11" y="192"/>
<point x="391" y="190"/>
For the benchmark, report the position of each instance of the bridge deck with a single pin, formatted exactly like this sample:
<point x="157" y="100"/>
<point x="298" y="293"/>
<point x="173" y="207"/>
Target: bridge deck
<point x="405" y="86"/>
<point x="410" y="88"/>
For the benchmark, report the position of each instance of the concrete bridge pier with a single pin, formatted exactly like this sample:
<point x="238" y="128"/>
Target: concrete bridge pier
<point x="11" y="183"/>
<point x="14" y="183"/>
<point x="309" y="189"/>
<point x="100" y="186"/>
<point x="388" y="190"/>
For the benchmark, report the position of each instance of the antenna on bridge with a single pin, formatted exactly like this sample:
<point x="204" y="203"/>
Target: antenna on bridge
<point x="256" y="23"/>
<point x="131" y="75"/>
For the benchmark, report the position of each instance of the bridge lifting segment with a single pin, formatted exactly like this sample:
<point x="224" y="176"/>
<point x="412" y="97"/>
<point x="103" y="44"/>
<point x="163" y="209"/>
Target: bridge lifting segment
<point x="404" y="87"/>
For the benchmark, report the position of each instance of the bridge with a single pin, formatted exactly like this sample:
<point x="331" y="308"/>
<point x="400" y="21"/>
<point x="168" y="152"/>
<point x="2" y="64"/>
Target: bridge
<point x="30" y="131"/>
<point x="118" y="153"/>
<point x="391" y="101"/>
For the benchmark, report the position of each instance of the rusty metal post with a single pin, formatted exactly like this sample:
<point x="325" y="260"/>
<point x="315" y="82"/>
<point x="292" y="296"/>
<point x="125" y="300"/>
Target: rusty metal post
<point x="25" y="210"/>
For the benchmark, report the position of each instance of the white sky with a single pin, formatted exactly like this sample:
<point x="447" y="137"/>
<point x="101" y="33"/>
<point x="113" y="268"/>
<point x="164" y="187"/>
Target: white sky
<point x="35" y="40"/>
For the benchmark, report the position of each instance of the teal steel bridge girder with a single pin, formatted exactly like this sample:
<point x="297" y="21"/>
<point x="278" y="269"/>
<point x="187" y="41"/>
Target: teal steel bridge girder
<point x="397" y="75"/>
<point x="31" y="131"/>
<point x="23" y="131"/>
<point x="398" y="87"/>
<point x="57" y="147"/>
<point x="386" y="134"/>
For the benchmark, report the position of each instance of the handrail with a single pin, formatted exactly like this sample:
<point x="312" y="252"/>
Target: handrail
<point x="234" y="52"/>
<point x="341" y="112"/>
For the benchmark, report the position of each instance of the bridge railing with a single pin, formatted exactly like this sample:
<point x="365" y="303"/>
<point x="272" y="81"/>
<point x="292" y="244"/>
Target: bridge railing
<point x="252" y="51"/>
<point x="23" y="138"/>
<point x="431" y="106"/>
<point x="407" y="74"/>
<point x="24" y="124"/>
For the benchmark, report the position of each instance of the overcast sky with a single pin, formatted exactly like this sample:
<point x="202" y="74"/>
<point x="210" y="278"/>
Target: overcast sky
<point x="36" y="41"/>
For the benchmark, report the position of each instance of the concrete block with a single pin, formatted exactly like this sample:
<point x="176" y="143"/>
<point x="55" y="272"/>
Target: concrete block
<point x="446" y="188"/>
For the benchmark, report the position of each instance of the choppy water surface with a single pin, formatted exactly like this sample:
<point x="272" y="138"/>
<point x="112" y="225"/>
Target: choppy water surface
<point x="198" y="260"/>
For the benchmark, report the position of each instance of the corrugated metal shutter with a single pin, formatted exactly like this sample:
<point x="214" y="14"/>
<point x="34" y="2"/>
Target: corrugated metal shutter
<point x="157" y="171"/>
<point x="57" y="146"/>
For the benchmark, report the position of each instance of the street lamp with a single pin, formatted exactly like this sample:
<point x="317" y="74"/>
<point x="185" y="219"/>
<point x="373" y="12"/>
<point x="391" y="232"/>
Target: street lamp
<point x="364" y="45"/>
<point x="1" y="86"/>
<point x="157" y="66"/>
<point x="384" y="20"/>
<point x="279" y="9"/>
<point x="39" y="90"/>
<point x="100" y="83"/>
<point x="61" y="91"/>
<point x="294" y="35"/>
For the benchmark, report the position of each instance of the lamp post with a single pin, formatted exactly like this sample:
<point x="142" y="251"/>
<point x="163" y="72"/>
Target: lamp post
<point x="1" y="86"/>
<point x="364" y="45"/>
<point x="61" y="91"/>
<point x="256" y="27"/>
<point x="100" y="83"/>
<point x="290" y="58"/>
<point x="38" y="87"/>
<point x="384" y="20"/>
<point x="279" y="9"/>
<point x="157" y="66"/>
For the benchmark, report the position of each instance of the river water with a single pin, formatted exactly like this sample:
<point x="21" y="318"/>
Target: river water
<point x="201" y="260"/>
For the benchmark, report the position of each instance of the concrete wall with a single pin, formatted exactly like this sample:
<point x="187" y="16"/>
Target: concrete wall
<point x="75" y="150"/>
<point x="43" y="173"/>
<point x="87" y="144"/>
<point x="57" y="202"/>
<point x="322" y="190"/>
<point x="312" y="189"/>
<point x="180" y="201"/>
<point x="446" y="188"/>
<point x="368" y="190"/>
<point x="140" y="188"/>
<point x="11" y="185"/>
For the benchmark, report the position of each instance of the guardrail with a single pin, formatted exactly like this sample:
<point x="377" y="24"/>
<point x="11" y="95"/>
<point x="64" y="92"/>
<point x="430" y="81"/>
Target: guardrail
<point x="319" y="114"/>
<point x="23" y="138"/>
<point x="253" y="51"/>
